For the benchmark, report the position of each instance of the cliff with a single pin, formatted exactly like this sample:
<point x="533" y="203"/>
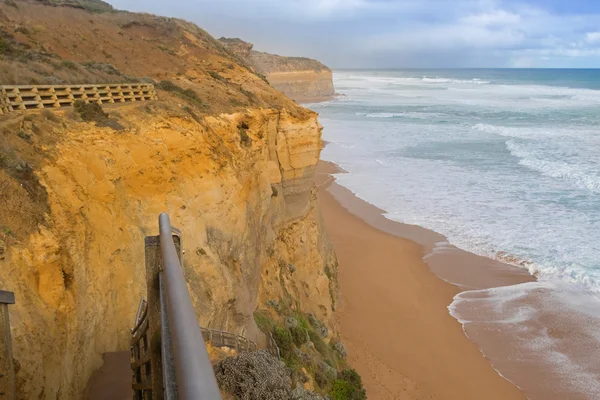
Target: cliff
<point x="301" y="79"/>
<point x="231" y="159"/>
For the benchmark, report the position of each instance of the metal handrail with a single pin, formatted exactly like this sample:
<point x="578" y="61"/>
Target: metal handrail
<point x="193" y="371"/>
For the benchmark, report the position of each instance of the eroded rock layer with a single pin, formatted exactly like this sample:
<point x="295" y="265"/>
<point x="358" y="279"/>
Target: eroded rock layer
<point x="299" y="78"/>
<point x="231" y="160"/>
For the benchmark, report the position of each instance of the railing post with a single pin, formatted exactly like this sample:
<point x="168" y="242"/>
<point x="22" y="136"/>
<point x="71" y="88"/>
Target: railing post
<point x="7" y="370"/>
<point x="153" y="267"/>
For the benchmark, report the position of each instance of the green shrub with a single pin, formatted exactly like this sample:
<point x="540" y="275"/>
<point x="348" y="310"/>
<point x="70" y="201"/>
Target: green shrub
<point x="169" y="87"/>
<point x="348" y="386"/>
<point x="322" y="379"/>
<point x="302" y="322"/>
<point x="299" y="335"/>
<point x="49" y="115"/>
<point x="186" y="94"/>
<point x="4" y="46"/>
<point x="283" y="338"/>
<point x="93" y="112"/>
<point x="264" y="321"/>
<point x="90" y="112"/>
<point x="340" y="349"/>
<point x="320" y="345"/>
<point x="318" y="325"/>
<point x="72" y="65"/>
<point x="216" y="76"/>
<point x="24" y="135"/>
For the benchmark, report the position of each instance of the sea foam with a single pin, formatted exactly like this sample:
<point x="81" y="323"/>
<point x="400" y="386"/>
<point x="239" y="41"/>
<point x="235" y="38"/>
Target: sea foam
<point x="509" y="165"/>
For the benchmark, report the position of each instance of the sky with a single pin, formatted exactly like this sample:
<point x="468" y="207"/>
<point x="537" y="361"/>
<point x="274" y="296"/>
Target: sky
<point x="403" y="33"/>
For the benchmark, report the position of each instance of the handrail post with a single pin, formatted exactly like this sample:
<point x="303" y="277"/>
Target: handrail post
<point x="7" y="370"/>
<point x="153" y="266"/>
<point x="193" y="370"/>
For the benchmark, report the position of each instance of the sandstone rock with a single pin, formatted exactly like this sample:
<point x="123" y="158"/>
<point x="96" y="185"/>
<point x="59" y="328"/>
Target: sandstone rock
<point x="78" y="266"/>
<point x="318" y="325"/>
<point x="340" y="349"/>
<point x="302" y="394"/>
<point x="299" y="78"/>
<point x="291" y="322"/>
<point x="104" y="194"/>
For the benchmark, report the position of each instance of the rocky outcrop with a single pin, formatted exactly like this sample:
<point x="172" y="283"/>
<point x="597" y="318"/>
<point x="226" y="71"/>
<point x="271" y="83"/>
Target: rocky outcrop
<point x="304" y="86"/>
<point x="228" y="157"/>
<point x="301" y="79"/>
<point x="243" y="211"/>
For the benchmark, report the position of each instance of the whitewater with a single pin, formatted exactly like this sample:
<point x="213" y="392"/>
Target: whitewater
<point x="503" y="163"/>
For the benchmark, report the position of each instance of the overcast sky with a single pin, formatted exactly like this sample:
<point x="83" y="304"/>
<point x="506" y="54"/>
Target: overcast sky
<point x="403" y="33"/>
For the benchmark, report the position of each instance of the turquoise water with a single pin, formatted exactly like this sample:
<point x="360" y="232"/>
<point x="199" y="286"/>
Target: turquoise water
<point x="504" y="163"/>
<point x="500" y="161"/>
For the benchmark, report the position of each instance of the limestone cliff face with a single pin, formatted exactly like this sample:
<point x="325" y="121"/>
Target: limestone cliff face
<point x="304" y="85"/>
<point x="245" y="209"/>
<point x="230" y="158"/>
<point x="299" y="78"/>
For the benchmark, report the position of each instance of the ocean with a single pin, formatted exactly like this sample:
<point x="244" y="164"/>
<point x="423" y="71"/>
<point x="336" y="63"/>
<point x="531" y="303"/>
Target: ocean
<point x="505" y="163"/>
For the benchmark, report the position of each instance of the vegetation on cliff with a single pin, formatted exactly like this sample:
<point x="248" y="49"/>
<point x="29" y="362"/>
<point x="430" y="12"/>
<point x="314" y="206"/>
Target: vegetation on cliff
<point x="315" y="357"/>
<point x="47" y="42"/>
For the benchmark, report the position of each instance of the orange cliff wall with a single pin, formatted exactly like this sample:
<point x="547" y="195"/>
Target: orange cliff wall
<point x="244" y="212"/>
<point x="304" y="86"/>
<point x="78" y="199"/>
<point x="299" y="78"/>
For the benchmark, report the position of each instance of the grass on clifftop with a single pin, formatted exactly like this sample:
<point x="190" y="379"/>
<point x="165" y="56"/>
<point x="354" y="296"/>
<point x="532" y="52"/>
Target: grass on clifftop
<point x="186" y="94"/>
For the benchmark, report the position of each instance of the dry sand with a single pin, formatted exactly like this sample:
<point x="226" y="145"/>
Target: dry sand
<point x="393" y="315"/>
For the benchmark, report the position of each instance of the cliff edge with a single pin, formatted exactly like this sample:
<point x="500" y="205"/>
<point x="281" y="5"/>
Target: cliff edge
<point x="228" y="157"/>
<point x="301" y="79"/>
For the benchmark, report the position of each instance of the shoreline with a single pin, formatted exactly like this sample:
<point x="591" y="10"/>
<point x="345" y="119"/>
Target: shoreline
<point x="400" y="296"/>
<point x="539" y="336"/>
<point x="306" y="100"/>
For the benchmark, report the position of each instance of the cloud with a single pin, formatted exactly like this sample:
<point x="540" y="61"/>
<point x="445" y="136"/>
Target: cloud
<point x="403" y="33"/>
<point x="495" y="18"/>
<point x="593" y="38"/>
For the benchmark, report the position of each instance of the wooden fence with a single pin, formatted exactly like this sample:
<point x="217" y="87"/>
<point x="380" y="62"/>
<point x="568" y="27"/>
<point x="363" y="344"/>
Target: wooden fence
<point x="227" y="339"/>
<point x="14" y="98"/>
<point x="141" y="357"/>
<point x="239" y="343"/>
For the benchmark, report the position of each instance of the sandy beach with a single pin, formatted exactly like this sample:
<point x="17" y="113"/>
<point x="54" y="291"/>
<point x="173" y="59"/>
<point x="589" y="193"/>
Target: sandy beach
<point x="393" y="315"/>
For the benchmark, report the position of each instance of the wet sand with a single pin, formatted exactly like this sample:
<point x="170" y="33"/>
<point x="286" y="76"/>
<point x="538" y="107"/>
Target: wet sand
<point x="393" y="313"/>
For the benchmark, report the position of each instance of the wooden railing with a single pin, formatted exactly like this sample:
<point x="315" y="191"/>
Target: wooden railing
<point x="7" y="371"/>
<point x="14" y="98"/>
<point x="227" y="339"/>
<point x="140" y="355"/>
